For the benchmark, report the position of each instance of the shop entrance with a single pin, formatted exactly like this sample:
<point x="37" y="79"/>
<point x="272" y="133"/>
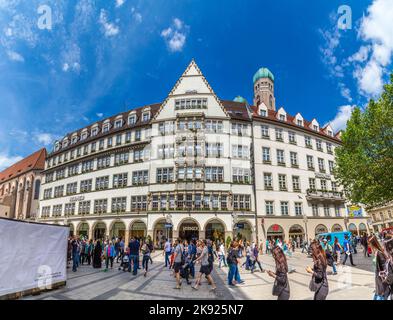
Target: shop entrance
<point x="189" y="230"/>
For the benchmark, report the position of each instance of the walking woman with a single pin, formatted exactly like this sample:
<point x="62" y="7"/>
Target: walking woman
<point x="337" y="250"/>
<point x="145" y="256"/>
<point x="319" y="283"/>
<point x="379" y="261"/>
<point x="109" y="255"/>
<point x="97" y="255"/>
<point x="281" y="283"/>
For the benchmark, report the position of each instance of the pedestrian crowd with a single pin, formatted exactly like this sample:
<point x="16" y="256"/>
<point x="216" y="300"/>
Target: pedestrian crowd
<point x="194" y="259"/>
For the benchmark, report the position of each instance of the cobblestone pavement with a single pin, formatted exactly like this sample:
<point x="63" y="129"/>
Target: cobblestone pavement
<point x="352" y="283"/>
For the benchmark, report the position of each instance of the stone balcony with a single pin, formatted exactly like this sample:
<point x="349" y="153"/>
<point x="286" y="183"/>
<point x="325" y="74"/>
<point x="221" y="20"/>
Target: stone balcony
<point x="325" y="195"/>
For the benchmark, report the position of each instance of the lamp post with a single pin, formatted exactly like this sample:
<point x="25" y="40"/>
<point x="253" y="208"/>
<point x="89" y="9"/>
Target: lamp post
<point x="234" y="222"/>
<point x="305" y="220"/>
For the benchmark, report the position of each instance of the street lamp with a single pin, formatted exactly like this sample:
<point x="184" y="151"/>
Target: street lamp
<point x="305" y="220"/>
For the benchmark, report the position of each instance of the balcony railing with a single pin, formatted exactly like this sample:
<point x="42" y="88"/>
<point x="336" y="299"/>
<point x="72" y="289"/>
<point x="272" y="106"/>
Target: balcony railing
<point x="313" y="194"/>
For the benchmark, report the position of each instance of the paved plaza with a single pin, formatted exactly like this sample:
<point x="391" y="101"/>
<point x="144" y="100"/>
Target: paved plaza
<point x="351" y="283"/>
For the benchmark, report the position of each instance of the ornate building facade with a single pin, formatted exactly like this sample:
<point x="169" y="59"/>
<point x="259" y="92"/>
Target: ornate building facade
<point x="20" y="187"/>
<point x="191" y="166"/>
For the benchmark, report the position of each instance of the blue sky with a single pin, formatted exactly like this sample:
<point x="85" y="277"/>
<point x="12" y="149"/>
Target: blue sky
<point x="103" y="57"/>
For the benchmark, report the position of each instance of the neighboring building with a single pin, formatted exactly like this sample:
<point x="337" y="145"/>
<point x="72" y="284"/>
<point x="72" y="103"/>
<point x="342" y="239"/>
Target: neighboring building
<point x="20" y="187"/>
<point x="382" y="217"/>
<point x="187" y="166"/>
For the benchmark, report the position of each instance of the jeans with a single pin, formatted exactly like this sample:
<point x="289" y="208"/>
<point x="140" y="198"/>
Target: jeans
<point x="192" y="267"/>
<point x="231" y="273"/>
<point x="167" y="255"/>
<point x="107" y="259"/>
<point x="237" y="274"/>
<point x="377" y="297"/>
<point x="134" y="261"/>
<point x="334" y="267"/>
<point x="222" y="259"/>
<point x="145" y="262"/>
<point x="75" y="261"/>
<point x="350" y="258"/>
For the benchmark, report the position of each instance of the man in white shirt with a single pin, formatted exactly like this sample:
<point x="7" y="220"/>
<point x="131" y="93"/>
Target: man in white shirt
<point x="167" y="252"/>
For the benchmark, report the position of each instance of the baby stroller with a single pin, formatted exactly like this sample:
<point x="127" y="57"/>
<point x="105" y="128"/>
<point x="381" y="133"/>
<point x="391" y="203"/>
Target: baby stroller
<point x="125" y="262"/>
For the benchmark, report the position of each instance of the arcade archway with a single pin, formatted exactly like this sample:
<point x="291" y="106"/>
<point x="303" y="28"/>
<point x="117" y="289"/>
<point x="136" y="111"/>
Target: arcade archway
<point x="321" y="228"/>
<point x="215" y="230"/>
<point x="352" y="228"/>
<point x="162" y="231"/>
<point x="99" y="231"/>
<point x="189" y="230"/>
<point x="243" y="230"/>
<point x="296" y="233"/>
<point x="362" y="229"/>
<point x="138" y="229"/>
<point x="83" y="230"/>
<point x="118" y="230"/>
<point x="275" y="231"/>
<point x="337" y="228"/>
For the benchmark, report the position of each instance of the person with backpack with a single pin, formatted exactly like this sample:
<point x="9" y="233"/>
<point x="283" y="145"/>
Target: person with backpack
<point x="329" y="255"/>
<point x="205" y="267"/>
<point x="145" y="250"/>
<point x="381" y="266"/>
<point x="178" y="261"/>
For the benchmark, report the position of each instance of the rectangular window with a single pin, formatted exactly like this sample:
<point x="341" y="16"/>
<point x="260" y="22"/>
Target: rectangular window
<point x="119" y="205"/>
<point x="140" y="177"/>
<point x="284" y="208"/>
<point x="323" y="185"/>
<point x="312" y="185"/>
<point x="84" y="207"/>
<point x="307" y="141"/>
<point x="292" y="137"/>
<point x="321" y="165"/>
<point x="298" y="209"/>
<point x="294" y="160"/>
<point x="87" y="166"/>
<point x="329" y="148"/>
<point x="103" y="162"/>
<point x="73" y="170"/>
<point x="326" y="210"/>
<point x="214" y="174"/>
<point x="86" y="185"/>
<point x="69" y="209"/>
<point x="310" y="162"/>
<point x="268" y="181"/>
<point x="164" y="175"/>
<point x="138" y="155"/>
<point x="296" y="183"/>
<point x="214" y="150"/>
<point x="138" y="203"/>
<point x="241" y="175"/>
<point x="166" y="151"/>
<point x="282" y="182"/>
<point x="318" y="143"/>
<point x="100" y="206"/>
<point x="269" y="208"/>
<point x="331" y="167"/>
<point x="315" y="210"/>
<point x="280" y="157"/>
<point x="121" y="158"/>
<point x="279" y="136"/>
<point x="59" y="191"/>
<point x="266" y="155"/>
<point x="71" y="188"/>
<point x="241" y="202"/>
<point x="120" y="180"/>
<point x="265" y="132"/>
<point x="195" y="103"/>
<point x="102" y="183"/>
<point x="213" y="126"/>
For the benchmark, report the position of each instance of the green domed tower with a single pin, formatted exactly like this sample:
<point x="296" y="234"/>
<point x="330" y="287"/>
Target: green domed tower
<point x="240" y="99"/>
<point x="264" y="88"/>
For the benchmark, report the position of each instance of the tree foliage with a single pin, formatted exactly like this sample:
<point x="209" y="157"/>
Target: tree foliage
<point x="364" y="163"/>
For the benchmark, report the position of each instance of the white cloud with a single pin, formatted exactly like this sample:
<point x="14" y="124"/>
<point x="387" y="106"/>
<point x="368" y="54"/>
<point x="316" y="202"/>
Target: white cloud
<point x="119" y="3"/>
<point x="136" y="15"/>
<point x="110" y="29"/>
<point x="99" y="114"/>
<point x="7" y="161"/>
<point x="375" y="28"/>
<point x="175" y="36"/>
<point x="15" y="56"/>
<point x="341" y="118"/>
<point x="44" y="138"/>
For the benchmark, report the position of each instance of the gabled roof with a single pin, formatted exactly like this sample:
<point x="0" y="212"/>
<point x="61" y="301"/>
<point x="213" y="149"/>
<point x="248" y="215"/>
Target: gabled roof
<point x="35" y="161"/>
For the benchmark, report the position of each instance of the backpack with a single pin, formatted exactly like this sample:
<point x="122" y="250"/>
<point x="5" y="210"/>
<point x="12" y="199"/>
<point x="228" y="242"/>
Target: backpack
<point x="230" y="257"/>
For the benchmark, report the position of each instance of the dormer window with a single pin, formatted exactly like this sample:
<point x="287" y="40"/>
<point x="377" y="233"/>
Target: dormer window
<point x="146" y="116"/>
<point x="84" y="136"/>
<point x="94" y="132"/>
<point x="74" y="140"/>
<point x="65" y="143"/>
<point x="105" y="128"/>
<point x="263" y="113"/>
<point x="315" y="127"/>
<point x="132" y="120"/>
<point x="300" y="122"/>
<point x="282" y="117"/>
<point x="330" y="133"/>
<point x="118" y="123"/>
<point x="57" y="146"/>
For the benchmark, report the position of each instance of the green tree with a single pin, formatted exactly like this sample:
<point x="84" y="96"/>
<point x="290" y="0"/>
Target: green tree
<point x="364" y="163"/>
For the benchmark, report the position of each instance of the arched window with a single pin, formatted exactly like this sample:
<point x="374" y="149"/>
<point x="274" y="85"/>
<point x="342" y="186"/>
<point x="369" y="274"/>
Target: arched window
<point x="37" y="189"/>
<point x="271" y="101"/>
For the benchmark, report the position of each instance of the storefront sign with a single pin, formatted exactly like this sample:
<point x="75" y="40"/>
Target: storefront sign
<point x="77" y="198"/>
<point x="240" y="225"/>
<point x="168" y="225"/>
<point x="355" y="211"/>
<point x="322" y="176"/>
<point x="189" y="228"/>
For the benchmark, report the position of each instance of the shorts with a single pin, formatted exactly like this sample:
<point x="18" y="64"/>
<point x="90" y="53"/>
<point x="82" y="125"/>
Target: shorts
<point x="177" y="266"/>
<point x="205" y="270"/>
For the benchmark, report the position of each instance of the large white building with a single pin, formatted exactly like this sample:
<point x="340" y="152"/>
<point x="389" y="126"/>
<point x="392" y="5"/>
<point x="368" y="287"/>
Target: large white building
<point x="193" y="166"/>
